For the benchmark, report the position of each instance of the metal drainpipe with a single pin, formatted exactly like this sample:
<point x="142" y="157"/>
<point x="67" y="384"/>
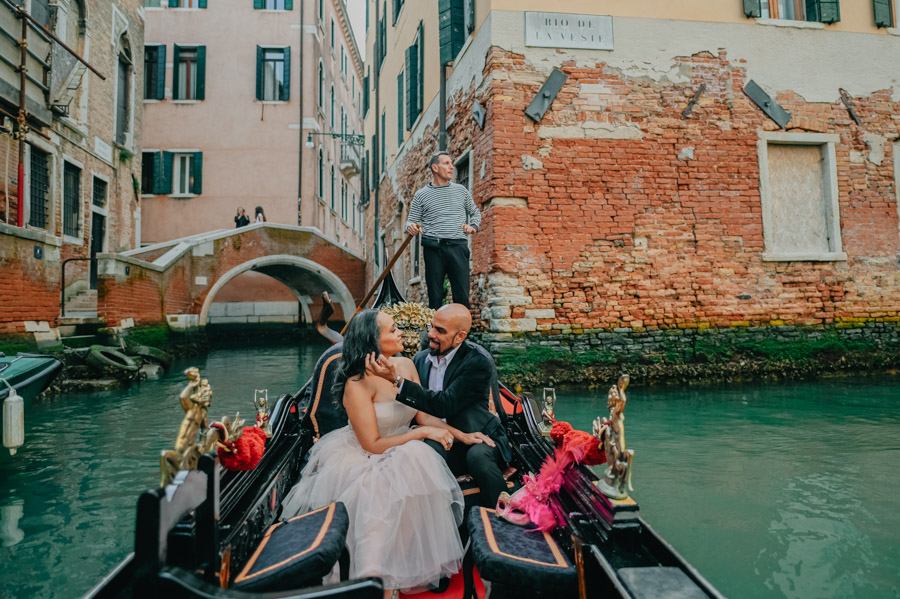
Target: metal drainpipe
<point x="302" y="144"/>
<point x="378" y="133"/>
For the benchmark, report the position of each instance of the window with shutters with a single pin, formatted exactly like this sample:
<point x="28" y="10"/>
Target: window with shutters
<point x="885" y="13"/>
<point x="277" y="5"/>
<point x="398" y="7"/>
<point x="332" y="37"/>
<point x="124" y="103"/>
<point x="187" y="3"/>
<point x="822" y="11"/>
<point x="71" y="200"/>
<point x="273" y="74"/>
<point x="186" y="174"/>
<point x="381" y="45"/>
<point x="414" y="79"/>
<point x="320" y="88"/>
<point x="331" y="191"/>
<point x="332" y="107"/>
<point x="321" y="171"/>
<point x="799" y="194"/>
<point x="188" y="80"/>
<point x="154" y="72"/>
<point x="383" y="148"/>
<point x="400" y="109"/>
<point x="151" y="3"/>
<point x="343" y="199"/>
<point x="39" y="193"/>
<point x="148" y="169"/>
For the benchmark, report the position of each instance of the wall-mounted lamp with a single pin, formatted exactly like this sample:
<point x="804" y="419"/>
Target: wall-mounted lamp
<point x="349" y="139"/>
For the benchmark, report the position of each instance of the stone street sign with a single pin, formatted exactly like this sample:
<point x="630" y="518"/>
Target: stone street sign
<point x="565" y="30"/>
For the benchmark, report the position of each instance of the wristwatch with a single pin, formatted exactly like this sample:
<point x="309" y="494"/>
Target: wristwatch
<point x="397" y="381"/>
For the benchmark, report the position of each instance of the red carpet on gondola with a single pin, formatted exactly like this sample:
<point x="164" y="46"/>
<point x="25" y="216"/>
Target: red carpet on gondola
<point x="454" y="591"/>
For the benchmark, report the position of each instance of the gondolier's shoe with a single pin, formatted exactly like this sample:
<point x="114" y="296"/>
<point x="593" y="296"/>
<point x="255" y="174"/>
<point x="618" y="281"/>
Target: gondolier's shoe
<point x="515" y="558"/>
<point x="297" y="552"/>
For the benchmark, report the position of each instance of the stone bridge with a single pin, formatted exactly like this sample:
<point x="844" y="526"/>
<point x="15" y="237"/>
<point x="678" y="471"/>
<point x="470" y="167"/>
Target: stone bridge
<point x="177" y="281"/>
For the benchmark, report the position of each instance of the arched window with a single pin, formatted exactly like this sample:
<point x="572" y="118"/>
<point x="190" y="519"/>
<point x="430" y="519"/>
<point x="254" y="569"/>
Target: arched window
<point x="321" y="88"/>
<point x="332" y="107"/>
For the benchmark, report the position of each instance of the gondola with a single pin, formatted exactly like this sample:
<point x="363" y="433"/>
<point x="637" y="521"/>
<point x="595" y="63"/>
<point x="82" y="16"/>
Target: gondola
<point x="216" y="533"/>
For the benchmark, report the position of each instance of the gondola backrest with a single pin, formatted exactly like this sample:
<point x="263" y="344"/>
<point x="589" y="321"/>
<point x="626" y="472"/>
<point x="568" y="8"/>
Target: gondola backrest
<point x="160" y="510"/>
<point x="325" y="415"/>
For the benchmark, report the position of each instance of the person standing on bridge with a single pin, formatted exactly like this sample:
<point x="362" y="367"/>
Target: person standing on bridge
<point x="444" y="213"/>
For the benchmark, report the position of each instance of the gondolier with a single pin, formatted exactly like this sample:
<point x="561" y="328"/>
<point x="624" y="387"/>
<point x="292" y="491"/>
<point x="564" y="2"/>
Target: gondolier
<point x="444" y="213"/>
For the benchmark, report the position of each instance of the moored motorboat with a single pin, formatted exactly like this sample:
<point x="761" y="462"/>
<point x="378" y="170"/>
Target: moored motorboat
<point x="22" y="378"/>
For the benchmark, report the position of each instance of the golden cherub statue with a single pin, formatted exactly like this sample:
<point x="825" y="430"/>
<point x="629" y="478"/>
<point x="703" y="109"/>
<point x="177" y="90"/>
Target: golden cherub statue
<point x="191" y="441"/>
<point x="616" y="482"/>
<point x="261" y="402"/>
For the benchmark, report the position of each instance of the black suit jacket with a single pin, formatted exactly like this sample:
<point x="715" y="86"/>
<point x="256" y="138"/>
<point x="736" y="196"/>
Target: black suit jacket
<point x="465" y="399"/>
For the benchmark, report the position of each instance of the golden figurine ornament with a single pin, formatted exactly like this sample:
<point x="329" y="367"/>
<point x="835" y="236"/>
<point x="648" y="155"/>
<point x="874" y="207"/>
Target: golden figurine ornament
<point x="610" y="431"/>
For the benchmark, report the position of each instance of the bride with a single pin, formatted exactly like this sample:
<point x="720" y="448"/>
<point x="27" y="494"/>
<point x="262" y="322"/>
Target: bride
<point x="403" y="501"/>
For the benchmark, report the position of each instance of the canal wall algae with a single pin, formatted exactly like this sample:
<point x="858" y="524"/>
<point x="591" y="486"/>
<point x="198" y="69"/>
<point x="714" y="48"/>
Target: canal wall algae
<point x="594" y="357"/>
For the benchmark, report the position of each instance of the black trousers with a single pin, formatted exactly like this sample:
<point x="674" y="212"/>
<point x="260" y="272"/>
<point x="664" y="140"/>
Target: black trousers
<point x="450" y="258"/>
<point x="481" y="461"/>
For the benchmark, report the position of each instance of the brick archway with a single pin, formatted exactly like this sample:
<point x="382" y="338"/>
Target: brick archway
<point x="318" y="274"/>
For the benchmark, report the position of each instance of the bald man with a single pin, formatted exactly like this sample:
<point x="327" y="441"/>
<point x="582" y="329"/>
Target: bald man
<point x="457" y="377"/>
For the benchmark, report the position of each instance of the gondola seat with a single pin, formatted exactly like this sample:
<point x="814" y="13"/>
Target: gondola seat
<point x="514" y="558"/>
<point x="297" y="552"/>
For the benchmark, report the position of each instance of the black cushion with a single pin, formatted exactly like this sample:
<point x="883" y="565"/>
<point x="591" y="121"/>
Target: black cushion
<point x="514" y="556"/>
<point x="297" y="552"/>
<point x="325" y="414"/>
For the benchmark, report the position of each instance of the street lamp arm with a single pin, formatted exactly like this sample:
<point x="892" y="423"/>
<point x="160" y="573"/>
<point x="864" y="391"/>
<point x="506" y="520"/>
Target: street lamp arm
<point x="350" y="139"/>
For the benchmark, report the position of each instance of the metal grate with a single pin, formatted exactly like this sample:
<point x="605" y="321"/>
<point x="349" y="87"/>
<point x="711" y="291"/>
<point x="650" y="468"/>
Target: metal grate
<point x="40" y="186"/>
<point x="99" y="192"/>
<point x="71" y="203"/>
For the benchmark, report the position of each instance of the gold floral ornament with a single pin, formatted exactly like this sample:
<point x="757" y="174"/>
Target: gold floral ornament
<point x="411" y="318"/>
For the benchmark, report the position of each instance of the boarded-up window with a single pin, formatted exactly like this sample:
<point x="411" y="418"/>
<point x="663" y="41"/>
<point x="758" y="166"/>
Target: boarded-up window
<point x="798" y="215"/>
<point x="801" y="218"/>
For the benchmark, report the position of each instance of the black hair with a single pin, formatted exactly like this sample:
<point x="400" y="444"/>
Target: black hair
<point x="435" y="158"/>
<point x="362" y="338"/>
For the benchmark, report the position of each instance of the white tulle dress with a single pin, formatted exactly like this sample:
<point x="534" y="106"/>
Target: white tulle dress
<point x="404" y="504"/>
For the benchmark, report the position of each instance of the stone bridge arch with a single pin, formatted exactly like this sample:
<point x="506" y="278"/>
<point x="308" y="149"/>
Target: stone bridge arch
<point x="176" y="282"/>
<point x="303" y="276"/>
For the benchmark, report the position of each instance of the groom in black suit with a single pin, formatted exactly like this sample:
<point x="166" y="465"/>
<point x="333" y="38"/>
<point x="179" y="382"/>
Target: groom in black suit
<point x="457" y="378"/>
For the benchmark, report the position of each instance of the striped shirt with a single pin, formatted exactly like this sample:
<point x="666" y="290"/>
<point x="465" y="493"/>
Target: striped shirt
<point x="442" y="211"/>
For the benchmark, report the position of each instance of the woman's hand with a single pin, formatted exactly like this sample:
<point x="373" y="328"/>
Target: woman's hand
<point x="440" y="435"/>
<point x="473" y="438"/>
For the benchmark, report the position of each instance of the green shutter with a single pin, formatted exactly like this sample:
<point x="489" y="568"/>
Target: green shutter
<point x="823" y="11"/>
<point x="286" y="89"/>
<point x="412" y="86"/>
<point x="753" y="9"/>
<point x="156" y="186"/>
<point x="259" y="4"/>
<point x="197" y="173"/>
<point x="883" y="13"/>
<point x="202" y="4"/>
<point x="165" y="178"/>
<point x="160" y="73"/>
<point x="420" y="45"/>
<point x="259" y="73"/>
<point x="451" y="28"/>
<point x="400" y="109"/>
<point x="288" y="4"/>
<point x="176" y="56"/>
<point x="365" y="98"/>
<point x="173" y="3"/>
<point x="201" y="73"/>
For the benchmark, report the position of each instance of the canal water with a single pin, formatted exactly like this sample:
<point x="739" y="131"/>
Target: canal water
<point x="770" y="490"/>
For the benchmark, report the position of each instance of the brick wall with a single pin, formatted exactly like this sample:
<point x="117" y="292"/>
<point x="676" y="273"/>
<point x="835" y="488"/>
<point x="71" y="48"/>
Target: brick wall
<point x="614" y="213"/>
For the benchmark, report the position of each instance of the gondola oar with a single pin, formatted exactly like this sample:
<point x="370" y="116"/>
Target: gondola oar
<point x="378" y="281"/>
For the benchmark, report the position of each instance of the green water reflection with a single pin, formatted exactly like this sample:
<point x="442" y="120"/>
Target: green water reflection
<point x="769" y="490"/>
<point x="776" y="490"/>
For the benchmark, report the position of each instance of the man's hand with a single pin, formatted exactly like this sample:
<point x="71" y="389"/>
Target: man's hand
<point x="474" y="438"/>
<point x="414" y="229"/>
<point x="469" y="229"/>
<point x="381" y="366"/>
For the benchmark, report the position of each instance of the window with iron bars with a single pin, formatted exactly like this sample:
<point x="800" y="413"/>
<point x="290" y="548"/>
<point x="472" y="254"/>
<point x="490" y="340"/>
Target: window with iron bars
<point x="71" y="200"/>
<point x="40" y="188"/>
<point x="99" y="193"/>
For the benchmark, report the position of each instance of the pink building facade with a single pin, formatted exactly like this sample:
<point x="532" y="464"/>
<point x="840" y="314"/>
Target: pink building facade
<point x="234" y="96"/>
